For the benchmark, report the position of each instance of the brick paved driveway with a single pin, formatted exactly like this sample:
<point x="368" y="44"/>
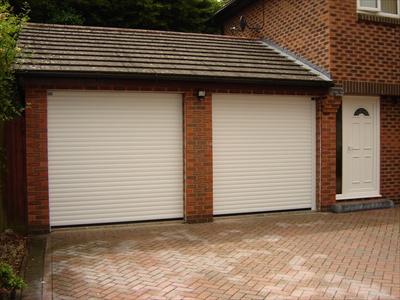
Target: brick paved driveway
<point x="302" y="255"/>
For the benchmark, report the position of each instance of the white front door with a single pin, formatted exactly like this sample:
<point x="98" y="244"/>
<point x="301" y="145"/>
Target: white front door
<point x="360" y="147"/>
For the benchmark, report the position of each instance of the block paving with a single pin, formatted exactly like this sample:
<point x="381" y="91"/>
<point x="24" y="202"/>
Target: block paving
<point x="297" y="255"/>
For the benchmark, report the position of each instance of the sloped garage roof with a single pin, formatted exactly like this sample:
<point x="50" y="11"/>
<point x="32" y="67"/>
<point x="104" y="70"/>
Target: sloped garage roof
<point x="95" y="51"/>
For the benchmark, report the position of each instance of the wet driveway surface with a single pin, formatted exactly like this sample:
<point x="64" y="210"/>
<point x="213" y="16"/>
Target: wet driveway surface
<point x="302" y="255"/>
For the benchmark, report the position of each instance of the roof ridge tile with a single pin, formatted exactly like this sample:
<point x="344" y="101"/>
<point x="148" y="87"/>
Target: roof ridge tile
<point x="132" y="30"/>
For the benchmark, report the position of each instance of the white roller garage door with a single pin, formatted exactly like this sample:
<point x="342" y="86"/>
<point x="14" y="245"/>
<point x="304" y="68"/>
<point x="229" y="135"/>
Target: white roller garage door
<point x="114" y="157"/>
<point x="263" y="153"/>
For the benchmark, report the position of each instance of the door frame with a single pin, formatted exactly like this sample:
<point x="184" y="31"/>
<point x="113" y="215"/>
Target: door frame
<point x="347" y="112"/>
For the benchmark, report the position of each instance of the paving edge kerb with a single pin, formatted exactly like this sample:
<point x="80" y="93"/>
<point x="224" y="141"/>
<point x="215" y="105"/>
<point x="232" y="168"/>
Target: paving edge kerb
<point x="37" y="274"/>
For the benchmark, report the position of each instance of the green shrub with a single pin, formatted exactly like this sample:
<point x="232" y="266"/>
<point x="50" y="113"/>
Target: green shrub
<point x="8" y="280"/>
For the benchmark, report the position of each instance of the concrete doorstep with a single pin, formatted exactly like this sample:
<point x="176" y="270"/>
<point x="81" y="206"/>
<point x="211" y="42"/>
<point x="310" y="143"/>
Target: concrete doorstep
<point x="360" y="206"/>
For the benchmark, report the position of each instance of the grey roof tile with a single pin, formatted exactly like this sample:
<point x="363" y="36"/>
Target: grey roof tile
<point x="128" y="52"/>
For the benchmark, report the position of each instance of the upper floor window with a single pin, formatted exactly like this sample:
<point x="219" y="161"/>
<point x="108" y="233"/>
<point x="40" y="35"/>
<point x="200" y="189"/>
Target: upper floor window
<point x="387" y="8"/>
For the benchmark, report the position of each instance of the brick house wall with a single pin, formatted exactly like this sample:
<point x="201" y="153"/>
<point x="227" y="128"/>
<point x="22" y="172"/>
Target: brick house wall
<point x="326" y="109"/>
<point x="197" y="128"/>
<point x="329" y="33"/>
<point x="390" y="148"/>
<point x="300" y="26"/>
<point x="362" y="50"/>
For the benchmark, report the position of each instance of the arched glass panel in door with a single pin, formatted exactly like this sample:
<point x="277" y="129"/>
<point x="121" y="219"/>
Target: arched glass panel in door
<point x="361" y="111"/>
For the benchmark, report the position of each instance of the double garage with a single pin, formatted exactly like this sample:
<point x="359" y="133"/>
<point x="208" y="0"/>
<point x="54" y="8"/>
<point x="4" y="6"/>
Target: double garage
<point x="119" y="156"/>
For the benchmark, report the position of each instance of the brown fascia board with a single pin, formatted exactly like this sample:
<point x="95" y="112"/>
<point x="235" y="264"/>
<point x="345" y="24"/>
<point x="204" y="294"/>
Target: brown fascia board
<point x="157" y="77"/>
<point x="229" y="10"/>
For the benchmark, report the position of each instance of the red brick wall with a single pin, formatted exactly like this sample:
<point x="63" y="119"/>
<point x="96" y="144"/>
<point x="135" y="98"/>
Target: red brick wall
<point x="362" y="50"/>
<point x="300" y="26"/>
<point x="329" y="34"/>
<point x="198" y="159"/>
<point x="36" y="160"/>
<point x="327" y="108"/>
<point x="390" y="148"/>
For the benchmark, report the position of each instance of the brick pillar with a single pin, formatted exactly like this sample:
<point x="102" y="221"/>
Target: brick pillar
<point x="198" y="159"/>
<point x="326" y="151"/>
<point x="36" y="161"/>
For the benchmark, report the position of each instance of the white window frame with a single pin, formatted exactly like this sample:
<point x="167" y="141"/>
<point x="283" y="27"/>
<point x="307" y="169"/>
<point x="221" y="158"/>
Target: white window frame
<point x="368" y="8"/>
<point x="378" y="10"/>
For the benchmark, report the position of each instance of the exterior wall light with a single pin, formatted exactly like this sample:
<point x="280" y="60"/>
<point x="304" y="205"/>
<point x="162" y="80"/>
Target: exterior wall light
<point x="201" y="94"/>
